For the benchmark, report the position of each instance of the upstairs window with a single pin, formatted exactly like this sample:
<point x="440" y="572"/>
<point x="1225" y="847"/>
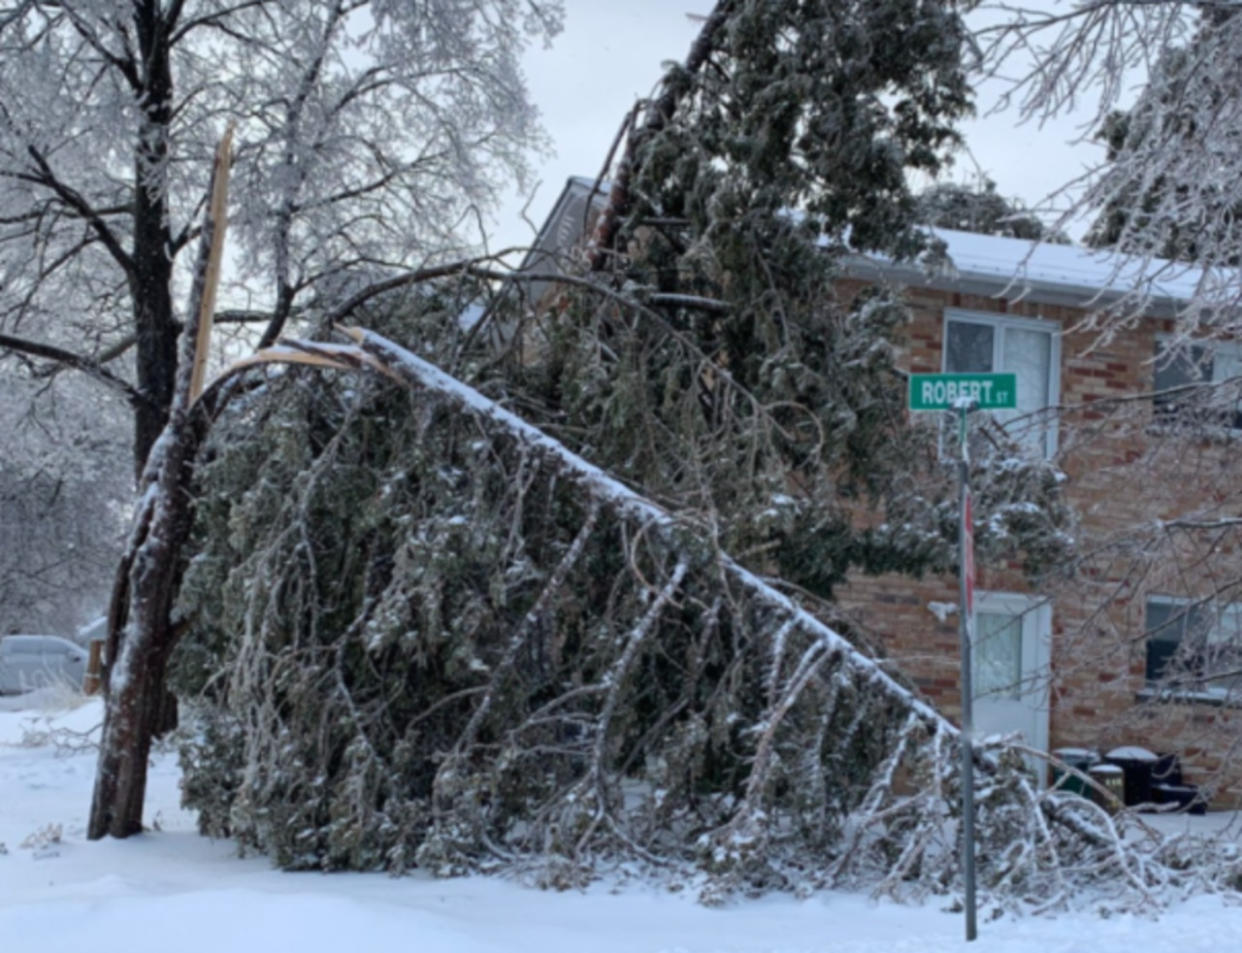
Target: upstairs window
<point x="975" y="342"/>
<point x="1183" y="382"/>
<point x="1194" y="648"/>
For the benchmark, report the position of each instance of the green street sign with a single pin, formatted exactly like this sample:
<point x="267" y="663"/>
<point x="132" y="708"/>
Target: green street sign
<point x="951" y="391"/>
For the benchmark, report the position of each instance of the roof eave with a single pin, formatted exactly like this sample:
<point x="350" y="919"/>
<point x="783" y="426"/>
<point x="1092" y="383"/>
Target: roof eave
<point x="1014" y="289"/>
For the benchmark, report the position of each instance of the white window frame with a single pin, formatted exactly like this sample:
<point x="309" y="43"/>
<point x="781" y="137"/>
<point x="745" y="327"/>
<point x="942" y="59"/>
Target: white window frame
<point x="1035" y="612"/>
<point x="1000" y="322"/>
<point x="1228" y="350"/>
<point x="1023" y="606"/>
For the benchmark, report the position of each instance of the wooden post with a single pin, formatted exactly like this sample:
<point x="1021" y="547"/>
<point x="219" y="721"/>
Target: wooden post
<point x="94" y="667"/>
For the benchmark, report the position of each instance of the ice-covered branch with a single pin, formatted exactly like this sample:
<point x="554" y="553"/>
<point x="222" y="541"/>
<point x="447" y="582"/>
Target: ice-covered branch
<point x="86" y="365"/>
<point x="76" y="201"/>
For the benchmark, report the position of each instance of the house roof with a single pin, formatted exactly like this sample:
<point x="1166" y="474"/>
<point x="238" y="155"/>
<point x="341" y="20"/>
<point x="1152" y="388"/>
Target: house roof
<point x="1016" y="268"/>
<point x="989" y="265"/>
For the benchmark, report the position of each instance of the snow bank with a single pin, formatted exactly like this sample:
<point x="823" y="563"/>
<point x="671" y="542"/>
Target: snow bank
<point x="172" y="890"/>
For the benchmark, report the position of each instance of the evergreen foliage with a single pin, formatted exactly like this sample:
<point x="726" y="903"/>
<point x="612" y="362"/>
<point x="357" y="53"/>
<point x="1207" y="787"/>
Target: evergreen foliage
<point x="820" y="106"/>
<point x="413" y="638"/>
<point x="978" y="208"/>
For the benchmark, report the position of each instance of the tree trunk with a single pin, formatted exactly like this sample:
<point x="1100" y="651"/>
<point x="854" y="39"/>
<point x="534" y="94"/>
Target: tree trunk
<point x="608" y="227"/>
<point x="156" y="341"/>
<point x="140" y="639"/>
<point x="141" y="633"/>
<point x="155" y="325"/>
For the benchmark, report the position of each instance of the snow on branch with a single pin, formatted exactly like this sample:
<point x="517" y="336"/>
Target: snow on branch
<point x="421" y="373"/>
<point x="548" y="671"/>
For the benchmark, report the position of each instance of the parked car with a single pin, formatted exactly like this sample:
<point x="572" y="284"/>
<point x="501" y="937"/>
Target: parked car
<point x="28" y="662"/>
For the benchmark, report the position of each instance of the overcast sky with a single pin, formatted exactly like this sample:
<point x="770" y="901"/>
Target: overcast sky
<point x="610" y="54"/>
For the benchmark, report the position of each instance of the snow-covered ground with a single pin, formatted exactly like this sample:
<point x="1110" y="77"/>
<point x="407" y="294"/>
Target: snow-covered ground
<point x="172" y="891"/>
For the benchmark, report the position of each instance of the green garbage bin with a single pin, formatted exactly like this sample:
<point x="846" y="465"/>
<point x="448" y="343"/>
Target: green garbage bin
<point x="1080" y="759"/>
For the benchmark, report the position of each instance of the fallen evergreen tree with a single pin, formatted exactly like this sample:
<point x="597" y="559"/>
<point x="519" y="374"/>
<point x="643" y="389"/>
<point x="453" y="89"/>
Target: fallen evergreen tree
<point x="424" y="632"/>
<point x="417" y="628"/>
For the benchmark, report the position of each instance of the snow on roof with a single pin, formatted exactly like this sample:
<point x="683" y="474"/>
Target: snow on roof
<point x="1066" y="273"/>
<point x="1017" y="268"/>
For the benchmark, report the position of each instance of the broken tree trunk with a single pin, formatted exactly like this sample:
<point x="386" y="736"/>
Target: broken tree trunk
<point x="603" y="242"/>
<point x="140" y="627"/>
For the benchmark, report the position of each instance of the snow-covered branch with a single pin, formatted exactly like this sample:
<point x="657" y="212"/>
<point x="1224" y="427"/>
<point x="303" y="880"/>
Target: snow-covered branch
<point x="78" y="362"/>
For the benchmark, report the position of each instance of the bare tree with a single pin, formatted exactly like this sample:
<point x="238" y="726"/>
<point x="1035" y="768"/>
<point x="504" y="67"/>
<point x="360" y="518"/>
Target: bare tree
<point x="64" y="493"/>
<point x="1173" y="162"/>
<point x="1162" y="587"/>
<point x="1175" y="165"/>
<point x="372" y="136"/>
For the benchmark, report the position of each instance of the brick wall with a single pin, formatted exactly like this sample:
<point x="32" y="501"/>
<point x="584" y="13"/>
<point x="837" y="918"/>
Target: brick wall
<point x="1118" y="477"/>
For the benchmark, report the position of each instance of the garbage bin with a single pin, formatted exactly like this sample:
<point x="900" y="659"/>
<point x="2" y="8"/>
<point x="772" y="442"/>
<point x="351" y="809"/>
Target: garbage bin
<point x="1137" y="764"/>
<point x="1080" y="759"/>
<point x="1166" y="770"/>
<point x="1185" y="797"/>
<point x="1112" y="779"/>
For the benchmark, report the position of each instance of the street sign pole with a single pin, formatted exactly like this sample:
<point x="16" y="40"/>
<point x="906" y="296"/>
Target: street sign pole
<point x="966" y="612"/>
<point x="964" y="393"/>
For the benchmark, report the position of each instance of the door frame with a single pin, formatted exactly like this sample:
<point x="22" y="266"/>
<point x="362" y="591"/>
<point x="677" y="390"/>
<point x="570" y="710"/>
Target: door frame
<point x="1036" y="611"/>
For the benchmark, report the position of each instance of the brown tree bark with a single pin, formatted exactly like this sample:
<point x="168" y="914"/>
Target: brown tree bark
<point x="141" y="634"/>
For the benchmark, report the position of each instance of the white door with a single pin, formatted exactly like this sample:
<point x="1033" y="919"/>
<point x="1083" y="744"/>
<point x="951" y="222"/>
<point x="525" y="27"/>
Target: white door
<point x="1009" y="670"/>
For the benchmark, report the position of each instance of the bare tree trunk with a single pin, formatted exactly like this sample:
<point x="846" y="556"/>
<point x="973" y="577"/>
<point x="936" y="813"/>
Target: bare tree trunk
<point x="155" y="325"/>
<point x="140" y="630"/>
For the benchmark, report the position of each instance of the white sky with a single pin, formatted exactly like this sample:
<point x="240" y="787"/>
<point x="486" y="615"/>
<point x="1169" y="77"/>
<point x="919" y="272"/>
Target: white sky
<point x="610" y="54"/>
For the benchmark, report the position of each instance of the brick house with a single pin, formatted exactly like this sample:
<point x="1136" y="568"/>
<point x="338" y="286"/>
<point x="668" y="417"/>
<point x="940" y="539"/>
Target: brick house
<point x="1084" y="661"/>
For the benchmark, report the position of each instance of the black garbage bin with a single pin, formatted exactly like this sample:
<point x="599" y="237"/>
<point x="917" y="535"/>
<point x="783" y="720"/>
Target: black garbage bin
<point x="1183" y="797"/>
<point x="1166" y="770"/>
<point x="1137" y="764"/>
<point x="1109" y="786"/>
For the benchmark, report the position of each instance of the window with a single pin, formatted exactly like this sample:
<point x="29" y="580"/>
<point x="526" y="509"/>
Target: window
<point x="1181" y="379"/>
<point x="997" y="655"/>
<point x="986" y="343"/>
<point x="1194" y="647"/>
<point x="1010" y="647"/>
